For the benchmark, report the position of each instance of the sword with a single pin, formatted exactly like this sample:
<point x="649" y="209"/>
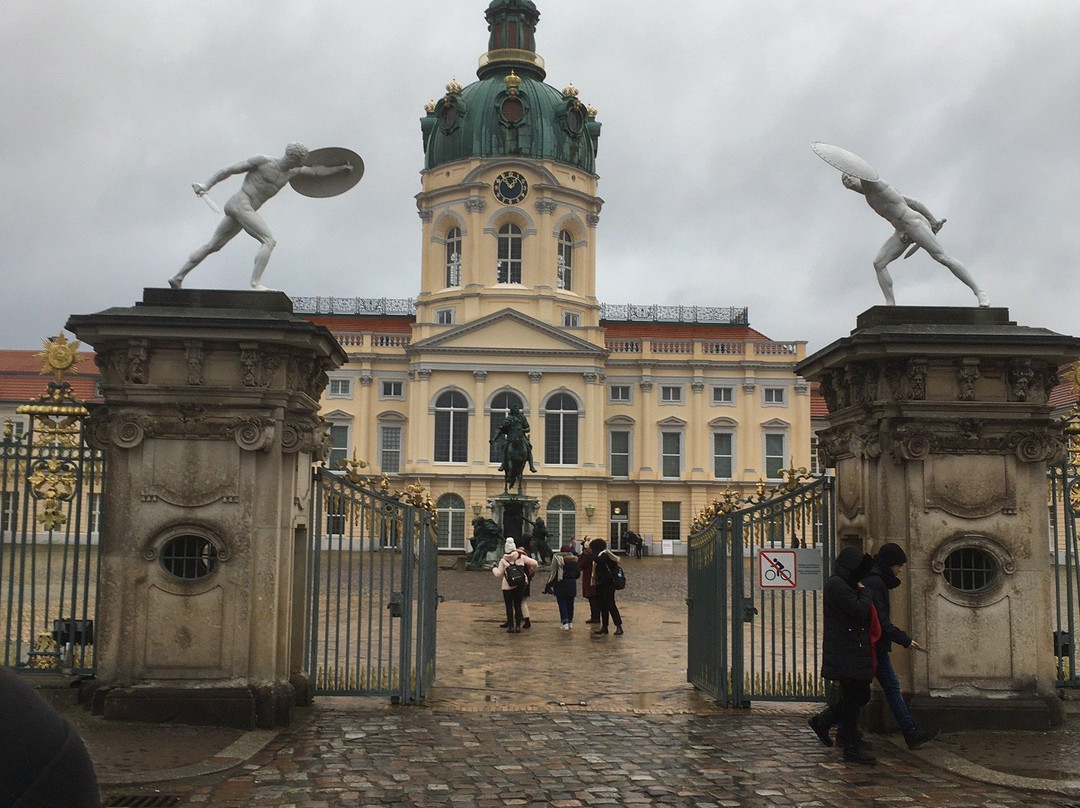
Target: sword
<point x="914" y="247"/>
<point x="201" y="193"/>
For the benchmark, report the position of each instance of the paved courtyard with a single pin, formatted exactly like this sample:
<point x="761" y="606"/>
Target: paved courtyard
<point x="566" y="719"/>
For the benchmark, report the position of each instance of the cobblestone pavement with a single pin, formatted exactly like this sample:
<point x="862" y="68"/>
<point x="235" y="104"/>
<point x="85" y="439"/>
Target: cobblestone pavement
<point x="567" y="719"/>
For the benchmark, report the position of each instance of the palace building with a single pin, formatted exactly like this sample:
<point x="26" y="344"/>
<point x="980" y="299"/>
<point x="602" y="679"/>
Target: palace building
<point x="640" y="415"/>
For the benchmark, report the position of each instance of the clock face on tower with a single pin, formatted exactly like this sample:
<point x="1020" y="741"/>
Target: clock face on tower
<point x="510" y="187"/>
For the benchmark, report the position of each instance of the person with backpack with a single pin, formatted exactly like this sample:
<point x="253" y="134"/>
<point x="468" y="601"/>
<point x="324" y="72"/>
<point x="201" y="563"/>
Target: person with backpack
<point x="605" y="565"/>
<point x="562" y="583"/>
<point x="513" y="570"/>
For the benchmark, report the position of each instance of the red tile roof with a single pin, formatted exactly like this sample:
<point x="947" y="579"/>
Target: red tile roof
<point x="817" y="402"/>
<point x="621" y="329"/>
<point x="375" y="323"/>
<point x="22" y="381"/>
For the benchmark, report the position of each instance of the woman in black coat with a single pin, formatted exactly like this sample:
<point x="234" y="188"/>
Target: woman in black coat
<point x="846" y="648"/>
<point x="604" y="566"/>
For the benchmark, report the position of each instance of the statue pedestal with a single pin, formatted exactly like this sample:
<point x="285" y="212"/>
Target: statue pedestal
<point x="210" y="425"/>
<point x="940" y="433"/>
<point x="514" y="514"/>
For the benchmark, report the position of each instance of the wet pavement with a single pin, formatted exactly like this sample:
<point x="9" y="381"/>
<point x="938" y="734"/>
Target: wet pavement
<point x="567" y="719"/>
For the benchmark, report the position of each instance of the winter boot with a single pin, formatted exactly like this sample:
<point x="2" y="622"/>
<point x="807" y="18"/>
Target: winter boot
<point x="916" y="737"/>
<point x="527" y="623"/>
<point x="855" y="753"/>
<point x="618" y="630"/>
<point x="820" y="725"/>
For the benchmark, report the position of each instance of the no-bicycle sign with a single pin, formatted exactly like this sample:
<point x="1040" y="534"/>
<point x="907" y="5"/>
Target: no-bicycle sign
<point x="790" y="569"/>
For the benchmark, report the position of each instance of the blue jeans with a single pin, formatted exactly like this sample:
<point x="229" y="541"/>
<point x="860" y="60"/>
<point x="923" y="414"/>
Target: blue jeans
<point x="890" y="683"/>
<point x="566" y="609"/>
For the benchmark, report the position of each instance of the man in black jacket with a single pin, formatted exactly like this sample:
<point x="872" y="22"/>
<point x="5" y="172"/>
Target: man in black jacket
<point x="884" y="575"/>
<point x="846" y="651"/>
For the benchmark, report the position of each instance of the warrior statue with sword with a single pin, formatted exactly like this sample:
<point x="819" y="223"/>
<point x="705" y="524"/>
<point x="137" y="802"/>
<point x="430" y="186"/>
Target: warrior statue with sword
<point x="915" y="226"/>
<point x="324" y="172"/>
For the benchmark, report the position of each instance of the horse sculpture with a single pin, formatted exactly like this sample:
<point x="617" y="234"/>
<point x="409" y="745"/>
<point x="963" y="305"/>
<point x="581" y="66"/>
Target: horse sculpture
<point x="517" y="449"/>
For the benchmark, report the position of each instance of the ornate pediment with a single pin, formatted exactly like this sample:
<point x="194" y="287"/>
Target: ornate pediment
<point x="516" y="333"/>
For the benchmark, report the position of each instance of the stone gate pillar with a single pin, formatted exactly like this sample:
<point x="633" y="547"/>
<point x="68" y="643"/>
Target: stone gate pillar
<point x="210" y="424"/>
<point x="939" y="430"/>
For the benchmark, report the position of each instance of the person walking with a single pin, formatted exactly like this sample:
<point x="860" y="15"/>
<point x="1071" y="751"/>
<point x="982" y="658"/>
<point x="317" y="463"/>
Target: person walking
<point x="604" y="565"/>
<point x="588" y="586"/>
<point x="885" y="575"/>
<point x="512" y="595"/>
<point x="847" y="653"/>
<point x="562" y="583"/>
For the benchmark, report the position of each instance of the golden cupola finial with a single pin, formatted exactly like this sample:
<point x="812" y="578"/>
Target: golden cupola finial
<point x="512" y="82"/>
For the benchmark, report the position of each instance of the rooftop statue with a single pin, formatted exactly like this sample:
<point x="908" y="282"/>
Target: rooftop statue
<point x="321" y="173"/>
<point x="915" y="226"/>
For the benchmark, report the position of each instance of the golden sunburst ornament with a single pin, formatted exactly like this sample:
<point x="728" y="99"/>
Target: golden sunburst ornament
<point x="60" y="357"/>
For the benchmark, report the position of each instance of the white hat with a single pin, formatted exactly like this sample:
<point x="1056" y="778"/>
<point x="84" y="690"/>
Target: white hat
<point x="510" y="546"/>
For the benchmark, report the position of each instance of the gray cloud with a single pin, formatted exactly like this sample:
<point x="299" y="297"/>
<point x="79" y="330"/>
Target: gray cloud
<point x="112" y="110"/>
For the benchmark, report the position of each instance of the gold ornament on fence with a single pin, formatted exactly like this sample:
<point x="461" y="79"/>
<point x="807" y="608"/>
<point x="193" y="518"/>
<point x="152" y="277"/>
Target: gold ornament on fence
<point x="57" y="413"/>
<point x="53" y="481"/>
<point x="46" y="653"/>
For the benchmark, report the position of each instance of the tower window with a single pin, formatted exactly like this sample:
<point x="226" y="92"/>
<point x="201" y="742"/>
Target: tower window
<point x="509" y="267"/>
<point x="453" y="257"/>
<point x="565" y="278"/>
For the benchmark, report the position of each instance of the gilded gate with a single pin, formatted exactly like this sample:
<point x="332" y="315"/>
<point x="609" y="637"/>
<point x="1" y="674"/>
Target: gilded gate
<point x="50" y="511"/>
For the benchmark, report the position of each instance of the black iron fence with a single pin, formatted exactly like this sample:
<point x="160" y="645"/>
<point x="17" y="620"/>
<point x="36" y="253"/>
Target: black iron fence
<point x="755" y="570"/>
<point x="372" y="567"/>
<point x="1064" y="481"/>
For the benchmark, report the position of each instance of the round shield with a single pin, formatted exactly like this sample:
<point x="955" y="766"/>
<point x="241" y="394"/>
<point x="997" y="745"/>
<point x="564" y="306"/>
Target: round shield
<point x="845" y="161"/>
<point x="329" y="184"/>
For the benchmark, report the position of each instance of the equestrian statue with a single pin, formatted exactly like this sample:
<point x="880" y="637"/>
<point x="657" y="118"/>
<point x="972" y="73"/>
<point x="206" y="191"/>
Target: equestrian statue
<point x="517" y="448"/>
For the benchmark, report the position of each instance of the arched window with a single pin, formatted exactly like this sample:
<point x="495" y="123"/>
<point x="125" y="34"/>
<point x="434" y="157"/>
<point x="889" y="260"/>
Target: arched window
<point x="451" y="509"/>
<point x="500" y="408"/>
<point x="566" y="261"/>
<point x="561" y="521"/>
<point x="451" y="428"/>
<point x="509" y="267"/>
<point x="453" y="257"/>
<point x="561" y="431"/>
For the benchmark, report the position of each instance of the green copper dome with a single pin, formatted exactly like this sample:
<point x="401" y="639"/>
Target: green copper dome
<point x="510" y="111"/>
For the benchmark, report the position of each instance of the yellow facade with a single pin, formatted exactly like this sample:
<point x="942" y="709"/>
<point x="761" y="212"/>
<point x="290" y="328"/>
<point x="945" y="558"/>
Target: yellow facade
<point x="640" y="415"/>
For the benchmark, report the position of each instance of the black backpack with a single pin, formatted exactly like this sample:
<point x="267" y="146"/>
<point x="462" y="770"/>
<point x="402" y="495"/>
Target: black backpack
<point x="515" y="576"/>
<point x="619" y="577"/>
<point x="571" y="569"/>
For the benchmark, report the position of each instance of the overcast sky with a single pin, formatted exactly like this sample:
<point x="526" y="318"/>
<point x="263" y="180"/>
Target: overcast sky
<point x="111" y="109"/>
